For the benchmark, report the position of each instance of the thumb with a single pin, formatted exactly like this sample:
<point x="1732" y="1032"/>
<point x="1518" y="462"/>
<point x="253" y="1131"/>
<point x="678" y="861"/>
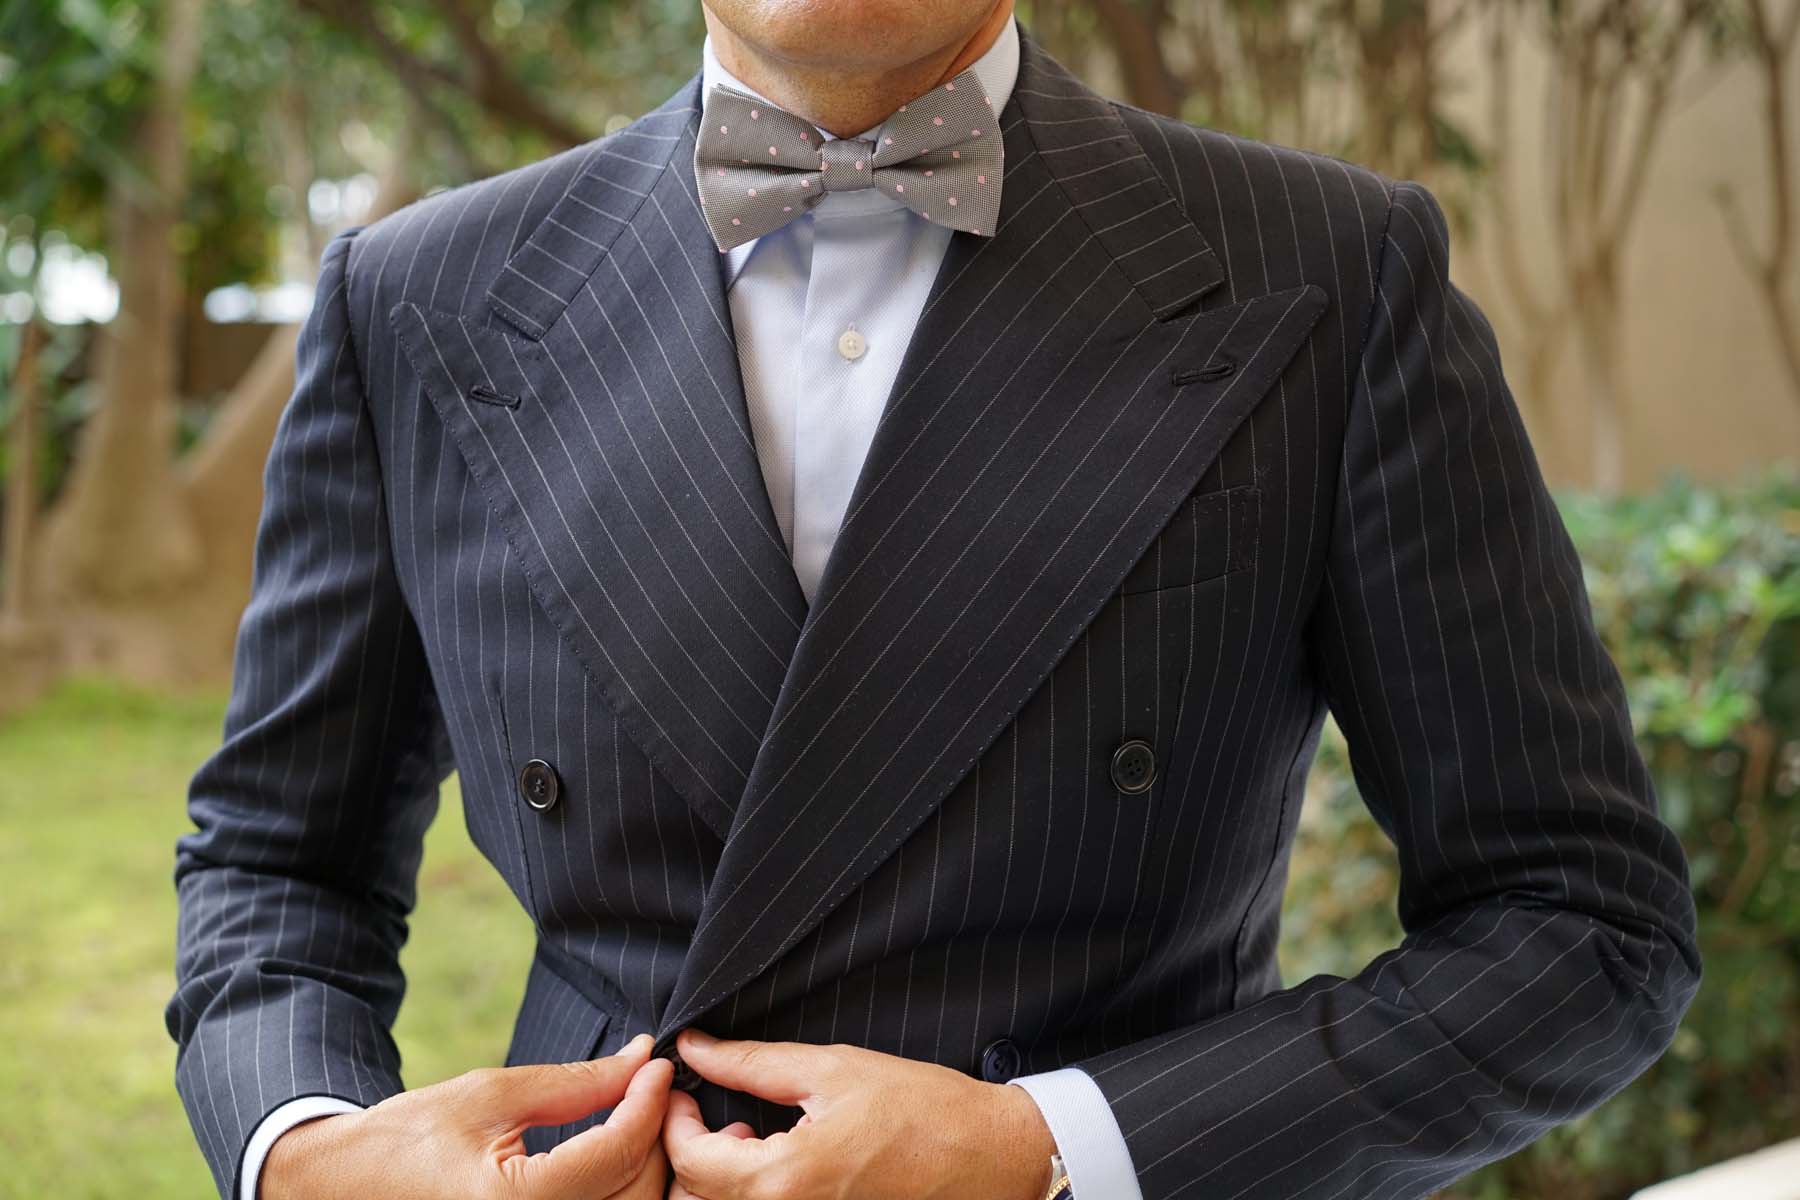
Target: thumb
<point x="558" y="1093"/>
<point x="605" y="1159"/>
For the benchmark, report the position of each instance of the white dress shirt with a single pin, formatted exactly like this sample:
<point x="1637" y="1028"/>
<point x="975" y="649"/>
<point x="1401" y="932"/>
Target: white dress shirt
<point x="823" y="309"/>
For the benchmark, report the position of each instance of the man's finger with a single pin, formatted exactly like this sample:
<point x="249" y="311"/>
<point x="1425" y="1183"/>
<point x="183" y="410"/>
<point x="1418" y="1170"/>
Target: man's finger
<point x="706" y="1163"/>
<point x="782" y="1072"/>
<point x="556" y="1093"/>
<point x="604" y="1159"/>
<point x="682" y="1120"/>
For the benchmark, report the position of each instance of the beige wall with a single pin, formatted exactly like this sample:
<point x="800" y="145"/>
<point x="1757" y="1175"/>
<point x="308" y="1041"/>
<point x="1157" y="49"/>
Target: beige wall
<point x="1708" y="393"/>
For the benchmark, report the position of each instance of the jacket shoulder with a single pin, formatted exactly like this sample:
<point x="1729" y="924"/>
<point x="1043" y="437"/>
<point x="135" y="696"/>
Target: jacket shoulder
<point x="444" y="249"/>
<point x="1277" y="216"/>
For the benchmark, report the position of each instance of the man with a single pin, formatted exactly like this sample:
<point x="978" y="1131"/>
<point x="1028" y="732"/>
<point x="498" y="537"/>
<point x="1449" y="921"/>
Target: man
<point x="878" y="537"/>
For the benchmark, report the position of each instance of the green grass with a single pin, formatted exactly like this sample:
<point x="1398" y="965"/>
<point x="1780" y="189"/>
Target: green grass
<point x="93" y="786"/>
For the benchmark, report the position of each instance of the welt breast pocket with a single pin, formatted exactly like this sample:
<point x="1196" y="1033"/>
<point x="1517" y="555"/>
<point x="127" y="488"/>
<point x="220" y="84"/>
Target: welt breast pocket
<point x="1213" y="533"/>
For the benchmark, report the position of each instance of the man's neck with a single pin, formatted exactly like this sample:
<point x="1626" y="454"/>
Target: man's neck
<point x="847" y="102"/>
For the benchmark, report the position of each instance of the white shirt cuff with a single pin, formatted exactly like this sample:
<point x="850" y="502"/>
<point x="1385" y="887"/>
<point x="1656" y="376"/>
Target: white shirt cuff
<point x="1087" y="1134"/>
<point x="278" y="1122"/>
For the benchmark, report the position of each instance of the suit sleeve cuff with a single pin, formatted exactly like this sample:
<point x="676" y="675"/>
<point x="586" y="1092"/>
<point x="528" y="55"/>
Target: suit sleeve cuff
<point x="1087" y="1134"/>
<point x="278" y="1122"/>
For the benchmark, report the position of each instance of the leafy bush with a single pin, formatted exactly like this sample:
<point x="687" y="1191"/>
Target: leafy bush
<point x="1696" y="591"/>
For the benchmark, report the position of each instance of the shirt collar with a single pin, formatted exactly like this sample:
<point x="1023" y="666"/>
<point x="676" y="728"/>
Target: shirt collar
<point x="997" y="69"/>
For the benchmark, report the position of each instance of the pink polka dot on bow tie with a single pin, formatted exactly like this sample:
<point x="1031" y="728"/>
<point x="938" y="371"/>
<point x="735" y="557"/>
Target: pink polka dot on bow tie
<point x="956" y="154"/>
<point x="903" y="108"/>
<point x="787" y="208"/>
<point x="720" y="171"/>
<point x="953" y="201"/>
<point x="805" y="136"/>
<point x="806" y="183"/>
<point x="949" y="87"/>
<point x="890" y="141"/>
<point x="928" y="173"/>
<point x="974" y="231"/>
<point x="978" y="179"/>
<point x="899" y="187"/>
<point x="735" y="221"/>
<point x="926" y="215"/>
<point x="859" y="163"/>
<point x="771" y="150"/>
<point x="755" y="115"/>
<point x="974" y="133"/>
<point x="937" y="120"/>
<point x="750" y="191"/>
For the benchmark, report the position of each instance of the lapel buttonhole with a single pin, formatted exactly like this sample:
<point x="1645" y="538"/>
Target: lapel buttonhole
<point x="1220" y="366"/>
<point x="488" y="395"/>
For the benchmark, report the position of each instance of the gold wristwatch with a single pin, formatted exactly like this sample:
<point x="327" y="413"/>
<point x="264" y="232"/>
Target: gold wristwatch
<point x="1059" y="1181"/>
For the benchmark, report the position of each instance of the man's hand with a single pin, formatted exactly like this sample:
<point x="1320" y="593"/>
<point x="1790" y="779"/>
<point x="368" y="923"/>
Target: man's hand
<point x="462" y="1138"/>
<point x="875" y="1127"/>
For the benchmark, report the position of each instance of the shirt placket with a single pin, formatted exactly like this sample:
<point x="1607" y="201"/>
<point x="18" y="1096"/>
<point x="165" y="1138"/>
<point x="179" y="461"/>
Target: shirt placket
<point x="832" y="398"/>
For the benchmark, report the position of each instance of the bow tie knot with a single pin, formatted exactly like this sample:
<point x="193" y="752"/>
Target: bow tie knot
<point x="759" y="167"/>
<point x="852" y="158"/>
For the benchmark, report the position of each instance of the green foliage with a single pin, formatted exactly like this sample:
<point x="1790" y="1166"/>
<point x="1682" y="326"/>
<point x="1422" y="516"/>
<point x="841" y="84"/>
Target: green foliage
<point x="76" y="77"/>
<point x="277" y="86"/>
<point x="1696" y="591"/>
<point x="73" y="76"/>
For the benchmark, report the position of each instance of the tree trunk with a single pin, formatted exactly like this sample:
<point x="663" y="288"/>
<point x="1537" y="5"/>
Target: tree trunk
<point x="121" y="530"/>
<point x="221" y="478"/>
<point x="21" y="481"/>
<point x="1137" y="31"/>
<point x="1600" y="324"/>
<point x="1772" y="47"/>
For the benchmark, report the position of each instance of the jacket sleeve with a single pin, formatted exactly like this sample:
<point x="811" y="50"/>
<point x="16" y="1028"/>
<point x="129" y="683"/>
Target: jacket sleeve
<point x="295" y="885"/>
<point x="1549" y="948"/>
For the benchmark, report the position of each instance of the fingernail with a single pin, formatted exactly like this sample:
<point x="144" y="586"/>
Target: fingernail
<point x="699" y="1036"/>
<point x="633" y="1046"/>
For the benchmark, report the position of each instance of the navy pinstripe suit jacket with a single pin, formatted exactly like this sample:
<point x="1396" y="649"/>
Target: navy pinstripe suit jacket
<point x="1199" y="443"/>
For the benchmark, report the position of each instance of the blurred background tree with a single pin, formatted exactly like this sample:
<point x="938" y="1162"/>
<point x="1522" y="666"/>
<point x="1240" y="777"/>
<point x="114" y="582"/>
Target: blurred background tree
<point x="187" y="146"/>
<point x="185" y="161"/>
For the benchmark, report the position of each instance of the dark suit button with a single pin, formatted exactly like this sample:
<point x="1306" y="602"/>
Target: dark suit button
<point x="1134" y="767"/>
<point x="539" y="785"/>
<point x="686" y="1078"/>
<point x="1000" y="1061"/>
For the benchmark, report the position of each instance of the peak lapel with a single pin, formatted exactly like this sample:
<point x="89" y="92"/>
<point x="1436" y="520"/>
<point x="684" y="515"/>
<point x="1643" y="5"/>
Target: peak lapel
<point x="1034" y="444"/>
<point x="605" y="419"/>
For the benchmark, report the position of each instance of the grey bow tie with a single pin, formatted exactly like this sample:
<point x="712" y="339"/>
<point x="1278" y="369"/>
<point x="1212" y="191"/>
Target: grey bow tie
<point x="759" y="167"/>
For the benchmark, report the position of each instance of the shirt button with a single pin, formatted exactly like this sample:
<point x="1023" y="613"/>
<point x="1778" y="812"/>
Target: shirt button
<point x="851" y="344"/>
